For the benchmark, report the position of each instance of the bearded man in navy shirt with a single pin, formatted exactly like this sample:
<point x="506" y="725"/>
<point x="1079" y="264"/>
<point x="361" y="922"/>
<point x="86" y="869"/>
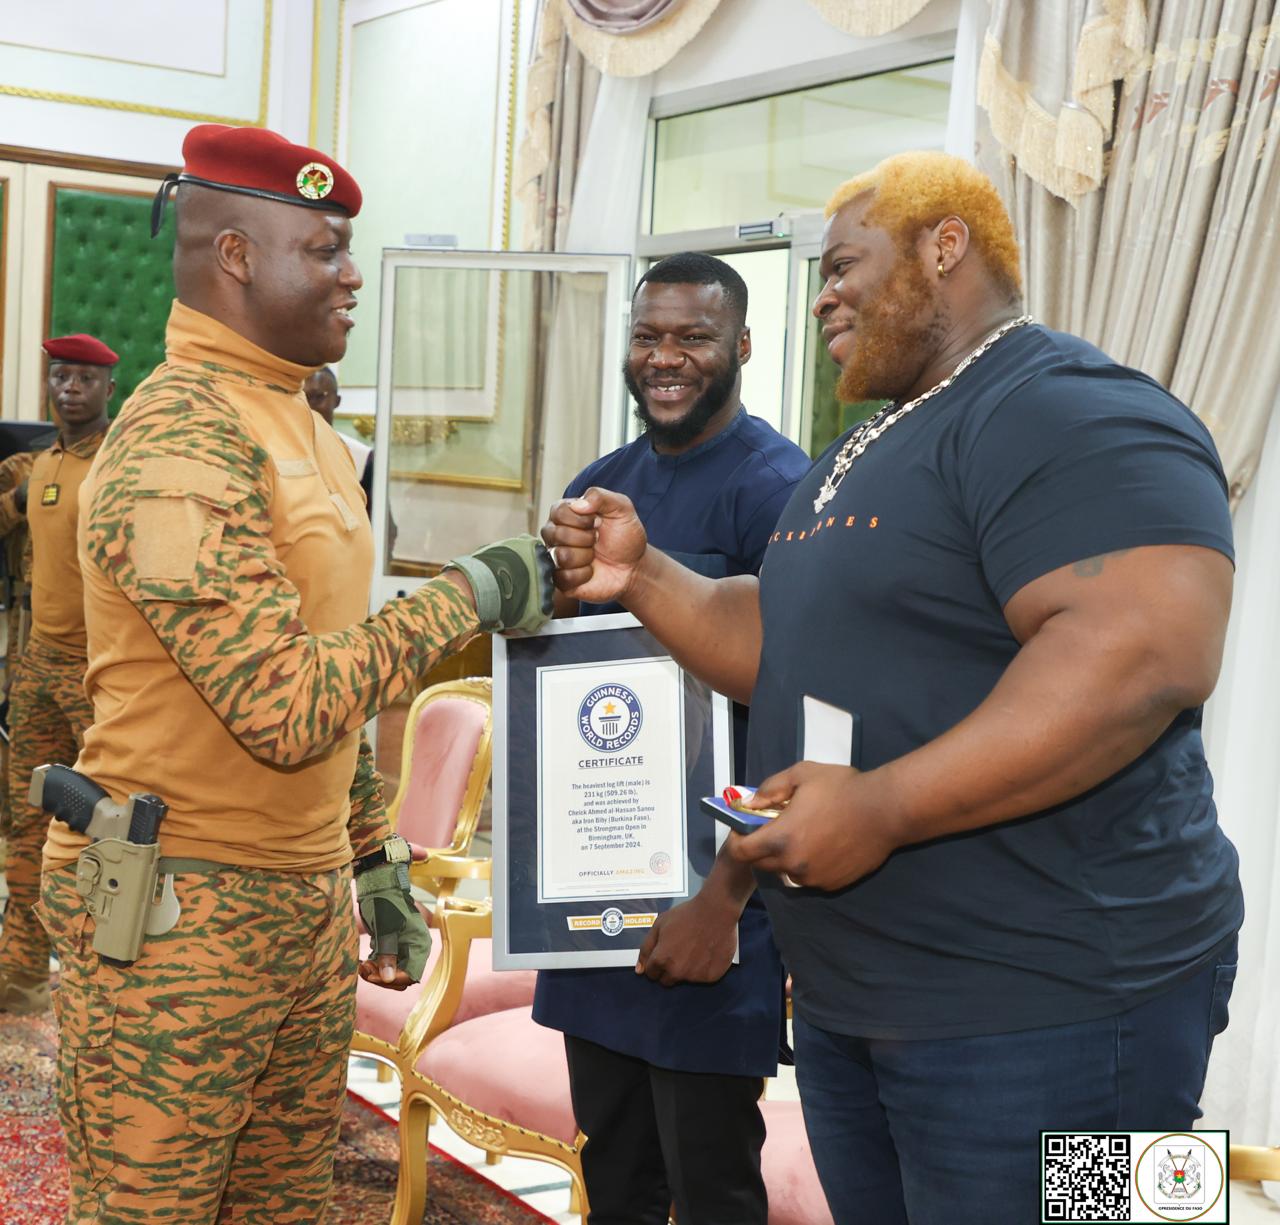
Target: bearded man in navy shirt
<point x="666" y="1063"/>
<point x="975" y="658"/>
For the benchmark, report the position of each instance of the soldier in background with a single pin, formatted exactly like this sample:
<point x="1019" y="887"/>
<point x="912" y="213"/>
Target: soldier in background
<point x="321" y="389"/>
<point x="48" y="710"/>
<point x="14" y="471"/>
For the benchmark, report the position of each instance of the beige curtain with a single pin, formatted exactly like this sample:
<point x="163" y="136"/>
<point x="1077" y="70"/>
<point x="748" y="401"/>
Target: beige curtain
<point x="631" y="38"/>
<point x="622" y="16"/>
<point x="562" y="88"/>
<point x="1171" y="265"/>
<point x="560" y="96"/>
<point x="1047" y="81"/>
<point x="868" y="18"/>
<point x="566" y="431"/>
<point x="636" y="37"/>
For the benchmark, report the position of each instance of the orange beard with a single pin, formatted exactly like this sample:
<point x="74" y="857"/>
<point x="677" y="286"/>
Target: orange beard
<point x="895" y="335"/>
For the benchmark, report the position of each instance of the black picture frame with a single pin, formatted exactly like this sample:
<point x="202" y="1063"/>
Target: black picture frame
<point x="532" y="934"/>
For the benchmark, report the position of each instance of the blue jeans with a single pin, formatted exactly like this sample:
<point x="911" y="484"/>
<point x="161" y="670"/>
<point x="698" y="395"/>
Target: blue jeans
<point x="947" y="1131"/>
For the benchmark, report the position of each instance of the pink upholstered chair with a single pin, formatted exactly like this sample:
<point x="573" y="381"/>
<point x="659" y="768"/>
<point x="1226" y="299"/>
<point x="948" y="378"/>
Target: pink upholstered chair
<point x="795" y="1195"/>
<point x="382" y="1017"/>
<point x="502" y="1083"/>
<point x="496" y="1078"/>
<point x="444" y="771"/>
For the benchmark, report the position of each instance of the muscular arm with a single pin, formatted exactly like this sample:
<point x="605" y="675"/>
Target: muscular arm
<point x="187" y="541"/>
<point x="710" y="626"/>
<point x="1113" y="649"/>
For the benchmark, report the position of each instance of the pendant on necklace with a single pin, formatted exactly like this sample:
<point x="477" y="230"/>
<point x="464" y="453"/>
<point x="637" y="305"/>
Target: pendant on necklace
<point x="50" y="495"/>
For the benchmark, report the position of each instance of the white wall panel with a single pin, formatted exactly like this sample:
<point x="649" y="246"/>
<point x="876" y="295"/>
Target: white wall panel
<point x="154" y="33"/>
<point x="240" y="53"/>
<point x="67" y="101"/>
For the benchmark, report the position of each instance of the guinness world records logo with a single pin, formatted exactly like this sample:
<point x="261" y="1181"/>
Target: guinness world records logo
<point x="612" y="922"/>
<point x="609" y="718"/>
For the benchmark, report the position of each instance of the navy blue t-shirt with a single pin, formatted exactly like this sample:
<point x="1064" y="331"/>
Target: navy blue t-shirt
<point x="713" y="508"/>
<point x="888" y="605"/>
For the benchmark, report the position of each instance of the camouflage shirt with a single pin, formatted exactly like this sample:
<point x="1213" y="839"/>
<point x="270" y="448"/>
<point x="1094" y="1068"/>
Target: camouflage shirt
<point x="13" y="471"/>
<point x="51" y="566"/>
<point x="227" y="559"/>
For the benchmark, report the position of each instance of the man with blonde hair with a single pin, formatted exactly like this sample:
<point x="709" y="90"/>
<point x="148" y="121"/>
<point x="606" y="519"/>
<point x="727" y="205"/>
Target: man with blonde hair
<point x="995" y="610"/>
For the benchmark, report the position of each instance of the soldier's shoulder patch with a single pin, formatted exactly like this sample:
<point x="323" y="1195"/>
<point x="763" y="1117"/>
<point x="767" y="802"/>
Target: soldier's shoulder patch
<point x="178" y="511"/>
<point x="166" y="538"/>
<point x="180" y="476"/>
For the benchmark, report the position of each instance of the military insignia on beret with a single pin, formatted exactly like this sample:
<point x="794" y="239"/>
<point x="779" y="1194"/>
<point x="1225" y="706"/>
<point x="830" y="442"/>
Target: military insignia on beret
<point x="315" y="181"/>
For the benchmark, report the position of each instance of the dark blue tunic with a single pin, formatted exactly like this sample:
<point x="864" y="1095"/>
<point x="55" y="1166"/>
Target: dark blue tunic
<point x="713" y="508"/>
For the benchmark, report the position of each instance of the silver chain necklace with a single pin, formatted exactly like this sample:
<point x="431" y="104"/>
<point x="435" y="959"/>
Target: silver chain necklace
<point x="871" y="429"/>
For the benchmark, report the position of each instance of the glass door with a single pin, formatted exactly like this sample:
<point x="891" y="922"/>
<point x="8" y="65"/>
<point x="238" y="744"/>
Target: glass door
<point x="498" y="381"/>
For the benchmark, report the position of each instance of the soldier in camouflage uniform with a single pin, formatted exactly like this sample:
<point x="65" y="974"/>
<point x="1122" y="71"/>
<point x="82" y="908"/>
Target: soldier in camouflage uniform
<point x="13" y="541"/>
<point x="227" y="562"/>
<point x="48" y="710"/>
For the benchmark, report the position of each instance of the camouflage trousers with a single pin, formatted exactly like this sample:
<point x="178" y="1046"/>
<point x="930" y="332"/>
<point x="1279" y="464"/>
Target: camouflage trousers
<point x="204" y="1083"/>
<point x="14" y="621"/>
<point x="48" y="717"/>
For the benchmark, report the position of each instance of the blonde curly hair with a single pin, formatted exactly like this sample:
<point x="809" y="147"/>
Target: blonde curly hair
<point x="915" y="191"/>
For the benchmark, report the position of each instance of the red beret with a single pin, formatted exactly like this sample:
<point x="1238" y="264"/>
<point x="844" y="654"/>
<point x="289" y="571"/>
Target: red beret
<point x="257" y="162"/>
<point x="87" y="350"/>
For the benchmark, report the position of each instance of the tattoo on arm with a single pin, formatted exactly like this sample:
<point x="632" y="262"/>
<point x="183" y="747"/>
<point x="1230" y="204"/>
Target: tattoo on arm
<point x="1091" y="567"/>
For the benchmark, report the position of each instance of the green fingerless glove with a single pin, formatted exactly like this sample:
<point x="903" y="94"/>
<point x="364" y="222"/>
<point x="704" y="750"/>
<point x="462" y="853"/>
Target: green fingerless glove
<point x="512" y="583"/>
<point x="394" y="922"/>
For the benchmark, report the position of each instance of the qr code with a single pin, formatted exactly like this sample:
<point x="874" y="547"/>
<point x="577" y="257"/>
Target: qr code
<point x="1086" y="1178"/>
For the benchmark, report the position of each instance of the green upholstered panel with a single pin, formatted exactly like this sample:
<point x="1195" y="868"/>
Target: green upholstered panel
<point x="111" y="278"/>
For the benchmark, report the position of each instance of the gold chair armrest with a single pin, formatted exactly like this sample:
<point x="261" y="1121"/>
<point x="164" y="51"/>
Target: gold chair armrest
<point x="471" y="905"/>
<point x="440" y="865"/>
<point x="460" y="921"/>
<point x="1250" y="1163"/>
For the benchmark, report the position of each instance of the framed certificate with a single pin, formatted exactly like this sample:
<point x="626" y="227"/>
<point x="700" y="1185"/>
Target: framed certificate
<point x="603" y="746"/>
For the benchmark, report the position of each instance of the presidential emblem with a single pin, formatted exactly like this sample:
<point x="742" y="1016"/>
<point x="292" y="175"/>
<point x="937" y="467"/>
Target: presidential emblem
<point x="315" y="181"/>
<point x="1178" y="1174"/>
<point x="1182" y="1177"/>
<point x="609" y="718"/>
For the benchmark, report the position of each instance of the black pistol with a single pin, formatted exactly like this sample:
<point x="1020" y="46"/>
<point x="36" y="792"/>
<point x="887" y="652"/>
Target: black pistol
<point x="118" y="873"/>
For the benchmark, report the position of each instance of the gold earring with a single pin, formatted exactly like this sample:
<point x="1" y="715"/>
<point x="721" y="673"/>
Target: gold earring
<point x="942" y="271"/>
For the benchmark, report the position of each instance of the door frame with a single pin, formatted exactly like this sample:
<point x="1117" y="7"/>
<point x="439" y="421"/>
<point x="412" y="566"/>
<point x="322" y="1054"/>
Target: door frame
<point x="617" y="270"/>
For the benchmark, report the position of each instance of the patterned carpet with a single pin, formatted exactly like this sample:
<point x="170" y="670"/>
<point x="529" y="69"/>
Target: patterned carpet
<point x="33" y="1186"/>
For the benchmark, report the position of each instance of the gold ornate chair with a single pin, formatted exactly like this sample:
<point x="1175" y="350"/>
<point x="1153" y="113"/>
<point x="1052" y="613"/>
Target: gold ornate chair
<point x="444" y="772"/>
<point x="445" y="761"/>
<point x="496" y="1078"/>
